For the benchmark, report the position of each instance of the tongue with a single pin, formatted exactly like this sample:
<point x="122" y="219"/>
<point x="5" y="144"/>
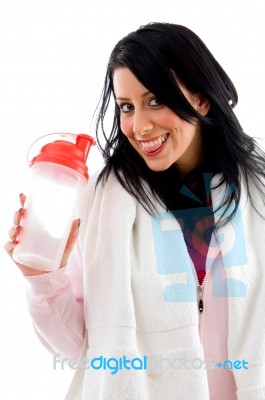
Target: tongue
<point x="153" y="148"/>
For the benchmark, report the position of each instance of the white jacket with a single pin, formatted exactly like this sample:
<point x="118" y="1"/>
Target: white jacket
<point x="132" y="308"/>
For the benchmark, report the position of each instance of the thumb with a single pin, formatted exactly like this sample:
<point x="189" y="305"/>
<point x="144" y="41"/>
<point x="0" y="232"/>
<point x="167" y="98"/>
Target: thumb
<point x="73" y="235"/>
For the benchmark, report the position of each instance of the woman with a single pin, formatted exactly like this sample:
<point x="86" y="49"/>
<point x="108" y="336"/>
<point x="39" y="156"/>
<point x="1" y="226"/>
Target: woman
<point x="172" y="237"/>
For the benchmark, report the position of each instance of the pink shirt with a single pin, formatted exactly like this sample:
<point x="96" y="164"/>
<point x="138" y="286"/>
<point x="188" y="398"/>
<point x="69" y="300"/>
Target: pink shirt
<point x="213" y="328"/>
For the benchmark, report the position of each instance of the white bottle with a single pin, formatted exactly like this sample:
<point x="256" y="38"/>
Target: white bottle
<point x="59" y="176"/>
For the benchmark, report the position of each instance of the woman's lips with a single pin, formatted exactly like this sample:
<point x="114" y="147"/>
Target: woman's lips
<point x="154" y="146"/>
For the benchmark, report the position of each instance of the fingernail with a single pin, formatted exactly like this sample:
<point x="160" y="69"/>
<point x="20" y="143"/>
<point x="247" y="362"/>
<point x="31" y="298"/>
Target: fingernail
<point x="21" y="194"/>
<point x="79" y="222"/>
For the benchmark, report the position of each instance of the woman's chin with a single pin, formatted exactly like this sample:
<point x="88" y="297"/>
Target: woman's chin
<point x="158" y="166"/>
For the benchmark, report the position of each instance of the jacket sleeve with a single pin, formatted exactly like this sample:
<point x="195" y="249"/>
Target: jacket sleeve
<point x="55" y="303"/>
<point x="55" y="299"/>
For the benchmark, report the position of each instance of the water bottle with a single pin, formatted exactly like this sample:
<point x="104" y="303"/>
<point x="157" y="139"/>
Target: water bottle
<point x="59" y="175"/>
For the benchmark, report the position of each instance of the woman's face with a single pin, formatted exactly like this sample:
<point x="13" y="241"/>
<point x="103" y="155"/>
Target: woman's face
<point x="154" y="130"/>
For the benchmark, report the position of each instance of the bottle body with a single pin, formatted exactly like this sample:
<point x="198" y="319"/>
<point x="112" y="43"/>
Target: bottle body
<point x="50" y="209"/>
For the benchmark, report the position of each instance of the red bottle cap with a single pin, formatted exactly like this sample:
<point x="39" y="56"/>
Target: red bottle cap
<point x="72" y="155"/>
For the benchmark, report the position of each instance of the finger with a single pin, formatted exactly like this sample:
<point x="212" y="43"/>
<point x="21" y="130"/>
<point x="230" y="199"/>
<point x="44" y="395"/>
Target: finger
<point x="22" y="199"/>
<point x="72" y="236"/>
<point x="71" y="241"/>
<point x="18" y="215"/>
<point x="9" y="247"/>
<point x="13" y="232"/>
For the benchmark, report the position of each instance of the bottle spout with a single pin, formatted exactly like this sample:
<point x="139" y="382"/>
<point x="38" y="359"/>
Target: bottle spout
<point x="84" y="143"/>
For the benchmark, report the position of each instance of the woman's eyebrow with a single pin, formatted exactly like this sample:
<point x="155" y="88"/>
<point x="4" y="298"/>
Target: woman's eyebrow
<point x="127" y="99"/>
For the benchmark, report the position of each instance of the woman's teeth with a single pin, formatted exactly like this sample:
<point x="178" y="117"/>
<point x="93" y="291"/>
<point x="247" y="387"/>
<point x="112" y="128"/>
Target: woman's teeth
<point x="154" y="143"/>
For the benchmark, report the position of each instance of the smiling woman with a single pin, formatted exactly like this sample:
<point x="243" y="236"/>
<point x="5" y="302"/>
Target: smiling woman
<point x="172" y="235"/>
<point x="159" y="135"/>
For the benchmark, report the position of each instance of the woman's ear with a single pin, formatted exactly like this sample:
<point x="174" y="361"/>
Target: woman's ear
<point x="203" y="105"/>
<point x="198" y="101"/>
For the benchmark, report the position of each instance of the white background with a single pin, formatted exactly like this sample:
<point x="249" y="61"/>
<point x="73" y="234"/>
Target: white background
<point x="53" y="57"/>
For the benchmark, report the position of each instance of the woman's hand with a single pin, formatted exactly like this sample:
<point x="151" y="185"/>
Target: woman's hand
<point x="14" y="231"/>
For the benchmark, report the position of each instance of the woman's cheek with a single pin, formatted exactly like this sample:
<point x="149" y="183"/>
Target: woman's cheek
<point x="126" y="127"/>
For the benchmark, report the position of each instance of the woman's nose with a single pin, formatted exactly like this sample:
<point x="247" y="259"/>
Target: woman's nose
<point x="142" y="122"/>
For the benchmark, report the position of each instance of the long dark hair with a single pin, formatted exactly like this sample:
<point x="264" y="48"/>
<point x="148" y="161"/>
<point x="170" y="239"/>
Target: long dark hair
<point x="156" y="53"/>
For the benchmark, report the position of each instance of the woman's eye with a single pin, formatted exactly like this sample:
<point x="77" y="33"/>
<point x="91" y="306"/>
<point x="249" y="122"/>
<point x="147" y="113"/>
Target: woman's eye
<point x="154" y="102"/>
<point x="126" y="107"/>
